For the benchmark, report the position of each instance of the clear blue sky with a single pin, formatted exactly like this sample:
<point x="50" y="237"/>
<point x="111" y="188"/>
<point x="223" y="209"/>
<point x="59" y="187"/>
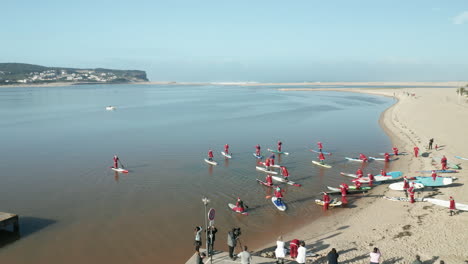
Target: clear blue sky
<point x="254" y="40"/>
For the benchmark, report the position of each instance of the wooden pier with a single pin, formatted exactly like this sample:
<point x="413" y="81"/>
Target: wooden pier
<point x="7" y="219"/>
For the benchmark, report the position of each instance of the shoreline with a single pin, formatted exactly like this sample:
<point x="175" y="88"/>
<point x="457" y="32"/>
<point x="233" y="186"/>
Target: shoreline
<point x="400" y="229"/>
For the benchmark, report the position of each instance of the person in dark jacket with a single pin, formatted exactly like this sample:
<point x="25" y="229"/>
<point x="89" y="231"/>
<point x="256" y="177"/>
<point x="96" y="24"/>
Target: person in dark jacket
<point x="332" y="256"/>
<point x="232" y="242"/>
<point x="212" y="230"/>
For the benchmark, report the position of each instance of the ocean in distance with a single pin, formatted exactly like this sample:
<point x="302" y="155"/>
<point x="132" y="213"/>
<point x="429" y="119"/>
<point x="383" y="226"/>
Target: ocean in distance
<point x="58" y="143"/>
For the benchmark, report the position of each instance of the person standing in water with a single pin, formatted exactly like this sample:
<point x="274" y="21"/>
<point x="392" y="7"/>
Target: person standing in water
<point x="326" y="201"/>
<point x="371" y="179"/>
<point x="359" y="173"/>
<point x="210" y="155"/>
<point x="116" y="161"/>
<point x="321" y="158"/>
<point x="279" y="146"/>
<point x="387" y="157"/>
<point x="343" y="194"/>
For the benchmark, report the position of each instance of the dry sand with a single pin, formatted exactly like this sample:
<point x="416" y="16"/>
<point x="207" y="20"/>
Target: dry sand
<point x="400" y="229"/>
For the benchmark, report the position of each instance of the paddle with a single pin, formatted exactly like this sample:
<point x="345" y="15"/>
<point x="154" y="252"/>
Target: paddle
<point x="268" y="197"/>
<point x="123" y="167"/>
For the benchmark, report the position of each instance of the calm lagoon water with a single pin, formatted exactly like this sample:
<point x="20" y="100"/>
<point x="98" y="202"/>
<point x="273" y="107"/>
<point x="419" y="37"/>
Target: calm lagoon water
<point x="58" y="143"/>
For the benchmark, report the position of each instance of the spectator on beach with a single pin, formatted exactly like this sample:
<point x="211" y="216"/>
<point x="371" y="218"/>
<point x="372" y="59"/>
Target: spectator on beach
<point x="293" y="245"/>
<point x="452" y="207"/>
<point x="332" y="256"/>
<point x="375" y="256"/>
<point x="430" y="143"/>
<point x="200" y="257"/>
<point x="245" y="256"/>
<point x="301" y="254"/>
<point x="198" y="241"/>
<point x="418" y="260"/>
<point x="212" y="230"/>
<point x="280" y="251"/>
<point x="232" y="242"/>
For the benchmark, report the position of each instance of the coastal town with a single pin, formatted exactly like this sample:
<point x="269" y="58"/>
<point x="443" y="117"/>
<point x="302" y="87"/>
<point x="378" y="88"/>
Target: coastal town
<point x="62" y="76"/>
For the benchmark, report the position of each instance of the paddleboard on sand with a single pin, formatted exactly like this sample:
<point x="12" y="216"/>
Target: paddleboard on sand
<point x="337" y="190"/>
<point x="458" y="157"/>
<point x="449" y="164"/>
<point x="280" y="205"/>
<point x="320" y="164"/>
<point x="318" y="151"/>
<point x="439" y="181"/>
<point x="278" y="152"/>
<point x="458" y="206"/>
<point x="211" y="162"/>
<point x="233" y="207"/>
<point x="281" y="179"/>
<point x="229" y="156"/>
<point x="438" y="171"/>
<point x="333" y="203"/>
<point x="404" y="199"/>
<point x="120" y="170"/>
<point x="265" y="170"/>
<point x="393" y="154"/>
<point x="398" y="186"/>
<point x="264" y="183"/>
<point x="258" y="156"/>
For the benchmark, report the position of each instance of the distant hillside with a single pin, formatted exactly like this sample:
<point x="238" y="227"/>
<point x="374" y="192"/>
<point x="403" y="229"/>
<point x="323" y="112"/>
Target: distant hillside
<point x="14" y="73"/>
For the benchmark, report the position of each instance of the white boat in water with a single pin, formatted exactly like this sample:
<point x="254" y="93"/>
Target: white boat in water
<point x="110" y="108"/>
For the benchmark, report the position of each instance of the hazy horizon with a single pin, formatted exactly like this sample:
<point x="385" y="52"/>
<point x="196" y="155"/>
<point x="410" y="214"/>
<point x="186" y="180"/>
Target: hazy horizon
<point x="264" y="41"/>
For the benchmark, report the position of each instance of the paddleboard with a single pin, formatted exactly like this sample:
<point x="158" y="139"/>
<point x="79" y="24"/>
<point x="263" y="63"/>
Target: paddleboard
<point x="393" y="154"/>
<point x="354" y="159"/>
<point x="459" y="206"/>
<point x="379" y="178"/>
<point x="265" y="170"/>
<point x="320" y="164"/>
<point x="439" y="181"/>
<point x="458" y="157"/>
<point x="110" y="108"/>
<point x="271" y="166"/>
<point x="229" y="156"/>
<point x="258" y="157"/>
<point x="438" y="171"/>
<point x="317" y="151"/>
<point x="333" y="203"/>
<point x="264" y="183"/>
<point x="349" y="174"/>
<point x="380" y="159"/>
<point x="398" y="186"/>
<point x="337" y="190"/>
<point x="404" y="199"/>
<point x="120" y="170"/>
<point x="281" y="179"/>
<point x="278" y="152"/>
<point x="232" y="206"/>
<point x="280" y="205"/>
<point x="449" y="164"/>
<point x="212" y="162"/>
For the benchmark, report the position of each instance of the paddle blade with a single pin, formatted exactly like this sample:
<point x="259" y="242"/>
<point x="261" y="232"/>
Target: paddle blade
<point x="268" y="197"/>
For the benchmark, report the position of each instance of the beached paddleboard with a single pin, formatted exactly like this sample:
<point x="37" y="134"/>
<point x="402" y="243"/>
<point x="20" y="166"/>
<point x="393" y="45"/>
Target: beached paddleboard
<point x="264" y="183"/>
<point x="398" y="186"/>
<point x="404" y="199"/>
<point x="233" y="208"/>
<point x="320" y="164"/>
<point x="120" y="170"/>
<point x="458" y="157"/>
<point x="337" y="190"/>
<point x="438" y="171"/>
<point x="439" y="181"/>
<point x="258" y="156"/>
<point x="459" y="206"/>
<point x="379" y="178"/>
<point x="265" y="170"/>
<point x="278" y="152"/>
<point x="349" y="174"/>
<point x="318" y="151"/>
<point x="381" y="159"/>
<point x="229" y="156"/>
<point x="393" y="154"/>
<point x="281" y="179"/>
<point x="280" y="205"/>
<point x="211" y="162"/>
<point x="333" y="203"/>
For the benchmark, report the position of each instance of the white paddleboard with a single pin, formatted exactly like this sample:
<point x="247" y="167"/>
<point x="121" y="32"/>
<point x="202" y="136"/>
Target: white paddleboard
<point x="121" y="170"/>
<point x="404" y="199"/>
<point x="320" y="164"/>
<point x="265" y="170"/>
<point x="332" y="203"/>
<point x="458" y="206"/>
<point x="398" y="186"/>
<point x="229" y="156"/>
<point x="354" y="159"/>
<point x="232" y="206"/>
<point x="212" y="162"/>
<point x="281" y="207"/>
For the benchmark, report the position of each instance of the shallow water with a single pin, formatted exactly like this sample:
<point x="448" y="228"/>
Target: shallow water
<point x="58" y="142"/>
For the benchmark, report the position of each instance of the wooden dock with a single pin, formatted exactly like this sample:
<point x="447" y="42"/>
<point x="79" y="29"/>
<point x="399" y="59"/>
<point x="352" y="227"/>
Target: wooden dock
<point x="7" y="219"/>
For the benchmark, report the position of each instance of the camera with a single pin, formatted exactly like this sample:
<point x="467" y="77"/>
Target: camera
<point x="236" y="231"/>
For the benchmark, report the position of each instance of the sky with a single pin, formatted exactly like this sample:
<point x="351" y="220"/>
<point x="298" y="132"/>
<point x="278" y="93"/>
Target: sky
<point x="244" y="40"/>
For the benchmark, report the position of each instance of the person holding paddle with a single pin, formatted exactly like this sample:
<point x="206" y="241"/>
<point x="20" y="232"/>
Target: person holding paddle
<point x="240" y="206"/>
<point x="321" y="158"/>
<point x="257" y="150"/>
<point x="279" y="146"/>
<point x="279" y="193"/>
<point x="116" y="161"/>
<point x="226" y="149"/>
<point x="210" y="155"/>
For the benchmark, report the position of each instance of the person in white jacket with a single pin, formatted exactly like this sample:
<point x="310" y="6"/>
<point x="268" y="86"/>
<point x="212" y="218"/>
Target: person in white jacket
<point x="301" y="253"/>
<point x="280" y="251"/>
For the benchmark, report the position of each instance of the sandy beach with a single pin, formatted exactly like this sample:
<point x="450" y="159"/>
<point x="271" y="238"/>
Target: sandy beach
<point x="400" y="229"/>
